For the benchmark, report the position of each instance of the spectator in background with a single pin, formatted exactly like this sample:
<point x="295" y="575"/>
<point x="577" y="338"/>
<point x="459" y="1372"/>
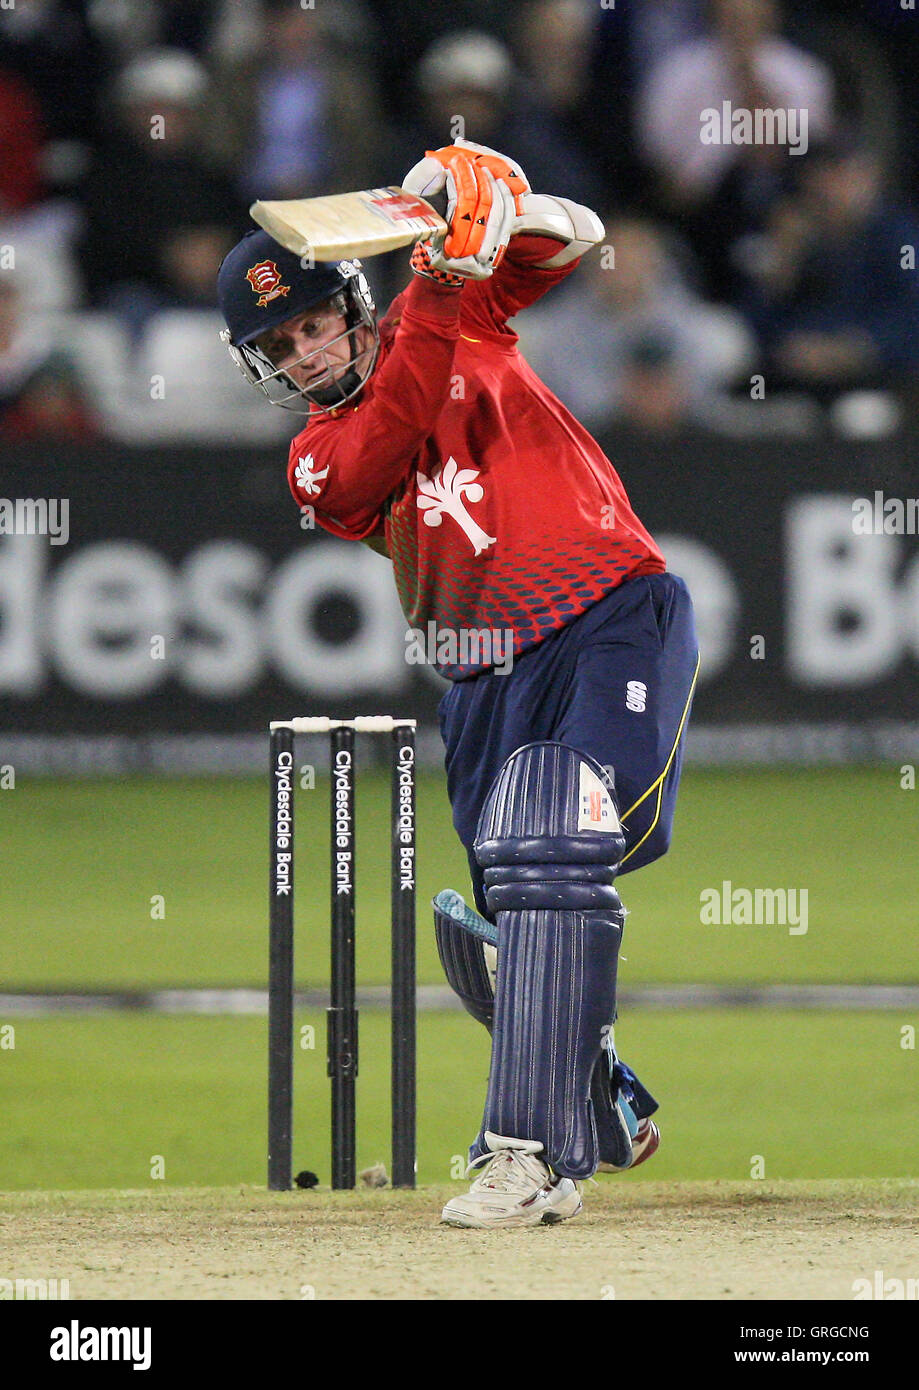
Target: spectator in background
<point x="41" y="395"/>
<point x="126" y="27"/>
<point x="471" y="75"/>
<point x="631" y="329"/>
<point x="50" y="45"/>
<point x="719" y="190"/>
<point x="20" y="146"/>
<point x="298" y="116"/>
<point x="408" y="28"/>
<point x="881" y="39"/>
<point x="656" y="394"/>
<point x="158" y="217"/>
<point x="182" y="25"/>
<point x="553" y="43"/>
<point x="829" y="294"/>
<point x="587" y="61"/>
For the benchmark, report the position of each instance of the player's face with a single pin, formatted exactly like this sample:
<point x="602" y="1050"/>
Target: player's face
<point x="313" y="344"/>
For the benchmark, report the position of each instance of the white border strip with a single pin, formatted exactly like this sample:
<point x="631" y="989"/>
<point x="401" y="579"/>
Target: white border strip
<point x="439" y="998"/>
<point x="361" y="724"/>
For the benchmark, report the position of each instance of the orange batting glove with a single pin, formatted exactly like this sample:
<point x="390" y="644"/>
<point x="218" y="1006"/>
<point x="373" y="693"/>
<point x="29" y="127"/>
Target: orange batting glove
<point x="485" y="194"/>
<point x="480" y="214"/>
<point x="499" y="165"/>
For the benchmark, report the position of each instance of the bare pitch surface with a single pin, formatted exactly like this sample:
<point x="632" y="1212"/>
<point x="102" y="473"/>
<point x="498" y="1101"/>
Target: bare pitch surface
<point x="786" y="1240"/>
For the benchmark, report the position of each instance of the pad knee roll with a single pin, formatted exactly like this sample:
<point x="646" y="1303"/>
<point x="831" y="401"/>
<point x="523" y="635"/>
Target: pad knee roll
<point x="549" y="833"/>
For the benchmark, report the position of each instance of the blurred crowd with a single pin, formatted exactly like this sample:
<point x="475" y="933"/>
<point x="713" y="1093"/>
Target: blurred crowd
<point x="741" y="287"/>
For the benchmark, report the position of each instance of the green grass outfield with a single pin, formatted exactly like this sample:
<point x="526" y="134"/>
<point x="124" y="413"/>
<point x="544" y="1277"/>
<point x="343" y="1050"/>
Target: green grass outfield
<point x="91" y="1101"/>
<point x="83" y="860"/>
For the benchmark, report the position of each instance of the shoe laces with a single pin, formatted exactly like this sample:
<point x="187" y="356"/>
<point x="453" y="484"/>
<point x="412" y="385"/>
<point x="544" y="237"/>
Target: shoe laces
<point x="508" y="1170"/>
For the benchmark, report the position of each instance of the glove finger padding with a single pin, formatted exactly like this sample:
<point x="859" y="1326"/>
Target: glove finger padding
<point x="506" y="170"/>
<point x="500" y="223"/>
<point x="486" y="225"/>
<point x="470" y="193"/>
<point x="427" y="177"/>
<point x="503" y="168"/>
<point x="481" y="223"/>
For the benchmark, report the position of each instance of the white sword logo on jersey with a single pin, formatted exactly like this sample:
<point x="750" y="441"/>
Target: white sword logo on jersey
<point x="445" y="492"/>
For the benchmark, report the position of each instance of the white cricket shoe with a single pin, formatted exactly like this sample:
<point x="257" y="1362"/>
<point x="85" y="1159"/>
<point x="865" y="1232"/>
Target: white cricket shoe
<point x="514" y="1188"/>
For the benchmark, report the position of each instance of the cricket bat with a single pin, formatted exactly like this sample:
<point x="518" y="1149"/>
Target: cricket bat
<point x="345" y="225"/>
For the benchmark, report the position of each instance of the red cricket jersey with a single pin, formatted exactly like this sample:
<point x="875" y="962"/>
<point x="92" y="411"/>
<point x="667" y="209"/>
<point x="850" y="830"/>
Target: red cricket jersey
<point x="499" y="510"/>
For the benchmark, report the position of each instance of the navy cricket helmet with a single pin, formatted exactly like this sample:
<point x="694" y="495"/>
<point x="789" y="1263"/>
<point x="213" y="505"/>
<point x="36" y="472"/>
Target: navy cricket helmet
<point x="261" y="285"/>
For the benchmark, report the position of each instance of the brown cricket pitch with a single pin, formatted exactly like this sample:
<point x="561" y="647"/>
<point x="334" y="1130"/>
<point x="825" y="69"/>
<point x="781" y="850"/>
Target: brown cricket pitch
<point x="714" y="1240"/>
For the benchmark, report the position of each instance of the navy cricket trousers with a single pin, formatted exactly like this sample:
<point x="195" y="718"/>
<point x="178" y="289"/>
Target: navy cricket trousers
<point x="616" y="683"/>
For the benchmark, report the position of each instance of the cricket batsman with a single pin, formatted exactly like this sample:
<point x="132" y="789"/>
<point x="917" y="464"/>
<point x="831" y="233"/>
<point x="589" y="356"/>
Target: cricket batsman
<point x="428" y="436"/>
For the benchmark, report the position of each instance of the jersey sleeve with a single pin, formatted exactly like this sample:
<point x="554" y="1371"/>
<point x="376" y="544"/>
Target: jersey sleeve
<point x="348" y="463"/>
<point x="518" y="282"/>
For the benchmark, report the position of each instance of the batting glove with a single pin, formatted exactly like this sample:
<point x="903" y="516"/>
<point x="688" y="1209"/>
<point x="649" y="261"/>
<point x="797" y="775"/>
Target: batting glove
<point x="482" y="206"/>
